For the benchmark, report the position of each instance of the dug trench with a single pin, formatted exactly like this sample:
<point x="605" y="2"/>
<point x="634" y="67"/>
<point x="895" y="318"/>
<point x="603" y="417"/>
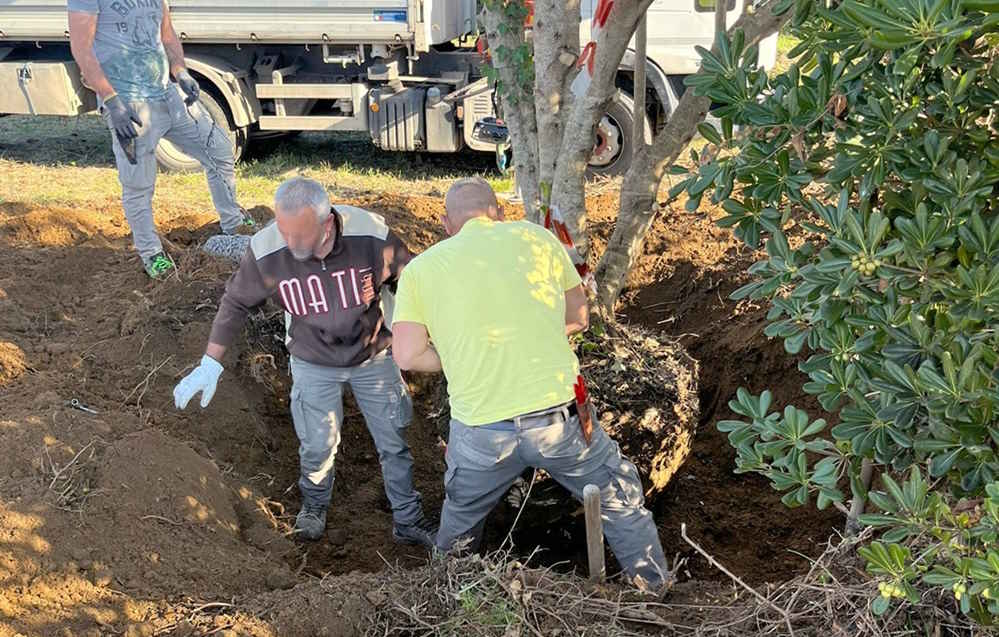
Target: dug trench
<point x="140" y="513"/>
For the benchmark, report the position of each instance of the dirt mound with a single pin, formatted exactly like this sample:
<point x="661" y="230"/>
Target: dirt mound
<point x="341" y="606"/>
<point x="96" y="529"/>
<point x="170" y="517"/>
<point x="681" y="286"/>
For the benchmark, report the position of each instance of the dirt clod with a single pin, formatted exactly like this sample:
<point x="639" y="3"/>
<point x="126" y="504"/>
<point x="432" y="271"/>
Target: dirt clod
<point x="337" y="537"/>
<point x="281" y="579"/>
<point x="12" y="362"/>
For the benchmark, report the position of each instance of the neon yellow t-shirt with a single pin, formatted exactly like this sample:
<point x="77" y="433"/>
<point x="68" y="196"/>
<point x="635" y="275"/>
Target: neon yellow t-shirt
<point x="492" y="299"/>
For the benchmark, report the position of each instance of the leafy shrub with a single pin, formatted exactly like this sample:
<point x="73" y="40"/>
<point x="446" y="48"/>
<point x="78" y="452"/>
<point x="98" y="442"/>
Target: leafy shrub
<point x="868" y="172"/>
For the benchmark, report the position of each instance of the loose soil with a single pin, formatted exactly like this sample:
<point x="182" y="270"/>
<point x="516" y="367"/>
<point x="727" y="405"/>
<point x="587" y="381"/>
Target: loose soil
<point x="137" y="516"/>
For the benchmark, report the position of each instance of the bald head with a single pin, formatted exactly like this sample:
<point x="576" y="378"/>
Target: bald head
<point x="469" y="198"/>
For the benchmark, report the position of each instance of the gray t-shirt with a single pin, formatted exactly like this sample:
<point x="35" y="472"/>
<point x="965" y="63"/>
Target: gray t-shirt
<point x="128" y="45"/>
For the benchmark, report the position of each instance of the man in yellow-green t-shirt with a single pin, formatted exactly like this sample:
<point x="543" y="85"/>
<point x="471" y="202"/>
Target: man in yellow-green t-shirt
<point x="497" y="300"/>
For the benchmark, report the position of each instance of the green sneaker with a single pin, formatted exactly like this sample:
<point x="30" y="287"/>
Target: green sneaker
<point x="247" y="225"/>
<point x="158" y="265"/>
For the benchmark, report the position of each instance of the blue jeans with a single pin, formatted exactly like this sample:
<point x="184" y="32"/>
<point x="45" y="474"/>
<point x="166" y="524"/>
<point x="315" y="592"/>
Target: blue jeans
<point x="194" y="132"/>
<point x="484" y="461"/>
<point x="317" y="410"/>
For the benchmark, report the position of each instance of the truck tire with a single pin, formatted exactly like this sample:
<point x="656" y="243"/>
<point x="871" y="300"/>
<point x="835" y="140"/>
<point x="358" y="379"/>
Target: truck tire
<point x="612" y="150"/>
<point x="172" y="159"/>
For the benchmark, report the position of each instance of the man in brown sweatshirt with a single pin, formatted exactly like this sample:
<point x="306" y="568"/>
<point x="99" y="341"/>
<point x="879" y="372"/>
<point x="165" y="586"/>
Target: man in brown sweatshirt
<point x="326" y="268"/>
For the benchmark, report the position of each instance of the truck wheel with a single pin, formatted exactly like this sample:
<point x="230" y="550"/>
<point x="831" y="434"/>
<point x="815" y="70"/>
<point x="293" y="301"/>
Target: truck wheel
<point x="613" y="148"/>
<point x="172" y="159"/>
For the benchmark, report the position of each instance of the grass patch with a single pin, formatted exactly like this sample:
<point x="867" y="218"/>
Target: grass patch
<point x="785" y="42"/>
<point x="68" y="161"/>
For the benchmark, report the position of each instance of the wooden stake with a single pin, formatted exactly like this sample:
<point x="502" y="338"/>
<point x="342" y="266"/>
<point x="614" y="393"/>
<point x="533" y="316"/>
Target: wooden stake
<point x="594" y="532"/>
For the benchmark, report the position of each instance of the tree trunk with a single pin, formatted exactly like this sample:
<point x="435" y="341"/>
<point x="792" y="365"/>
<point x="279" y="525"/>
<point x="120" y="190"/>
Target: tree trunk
<point x="641" y="182"/>
<point x="569" y="183"/>
<point x="857" y="505"/>
<point x="518" y="106"/>
<point x="556" y="48"/>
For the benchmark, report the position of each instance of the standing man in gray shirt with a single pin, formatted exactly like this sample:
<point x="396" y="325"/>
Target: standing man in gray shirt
<point x="127" y="50"/>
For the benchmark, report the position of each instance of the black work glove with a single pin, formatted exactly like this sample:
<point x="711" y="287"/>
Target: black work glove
<point x="190" y="87"/>
<point x="123" y="118"/>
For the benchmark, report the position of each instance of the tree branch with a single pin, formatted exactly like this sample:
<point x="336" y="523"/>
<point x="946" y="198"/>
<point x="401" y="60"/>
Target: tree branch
<point x="721" y="15"/>
<point x="641" y="182"/>
<point x="568" y="185"/>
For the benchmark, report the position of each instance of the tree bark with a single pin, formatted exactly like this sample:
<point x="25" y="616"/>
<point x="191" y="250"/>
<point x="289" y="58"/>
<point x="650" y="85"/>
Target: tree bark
<point x="556" y="48"/>
<point x="641" y="183"/>
<point x="518" y="106"/>
<point x="857" y="505"/>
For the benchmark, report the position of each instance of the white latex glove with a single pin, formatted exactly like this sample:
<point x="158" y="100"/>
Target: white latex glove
<point x="204" y="379"/>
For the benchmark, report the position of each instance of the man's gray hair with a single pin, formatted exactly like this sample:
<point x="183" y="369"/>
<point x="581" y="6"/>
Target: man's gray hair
<point x="301" y="192"/>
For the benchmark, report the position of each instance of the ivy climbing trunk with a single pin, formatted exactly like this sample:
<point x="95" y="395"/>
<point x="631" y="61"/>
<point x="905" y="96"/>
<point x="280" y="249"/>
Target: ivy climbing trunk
<point x="510" y="53"/>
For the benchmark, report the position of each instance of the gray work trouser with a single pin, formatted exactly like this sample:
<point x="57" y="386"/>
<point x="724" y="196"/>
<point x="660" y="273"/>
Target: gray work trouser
<point x="484" y="461"/>
<point x="317" y="409"/>
<point x="194" y="132"/>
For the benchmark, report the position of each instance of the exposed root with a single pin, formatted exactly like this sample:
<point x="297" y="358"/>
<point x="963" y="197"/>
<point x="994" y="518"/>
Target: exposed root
<point x="144" y="384"/>
<point x="71" y="485"/>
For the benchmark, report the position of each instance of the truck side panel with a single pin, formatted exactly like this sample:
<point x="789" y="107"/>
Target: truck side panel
<point x="217" y="21"/>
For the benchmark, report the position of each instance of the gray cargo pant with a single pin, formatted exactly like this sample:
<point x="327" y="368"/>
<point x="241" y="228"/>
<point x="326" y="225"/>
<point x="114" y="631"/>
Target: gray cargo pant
<point x="317" y="410"/>
<point x="193" y="131"/>
<point x="484" y="461"/>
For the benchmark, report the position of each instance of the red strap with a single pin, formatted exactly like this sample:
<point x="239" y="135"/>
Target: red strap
<point x="603" y="12"/>
<point x="580" y="388"/>
<point x="587" y="56"/>
<point x="560" y="230"/>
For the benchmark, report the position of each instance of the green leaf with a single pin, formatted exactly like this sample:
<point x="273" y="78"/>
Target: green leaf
<point x="878" y="520"/>
<point x="782" y="7"/>
<point x="942" y="463"/>
<point x="794" y="343"/>
<point x="709" y="133"/>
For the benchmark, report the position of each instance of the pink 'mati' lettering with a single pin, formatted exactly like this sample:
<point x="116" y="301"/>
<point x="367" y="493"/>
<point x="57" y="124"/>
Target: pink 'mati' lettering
<point x="317" y="295"/>
<point x="292" y="297"/>
<point x="353" y="281"/>
<point x="343" y="292"/>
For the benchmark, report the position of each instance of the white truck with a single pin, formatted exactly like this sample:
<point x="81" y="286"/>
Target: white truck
<point x="405" y="71"/>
